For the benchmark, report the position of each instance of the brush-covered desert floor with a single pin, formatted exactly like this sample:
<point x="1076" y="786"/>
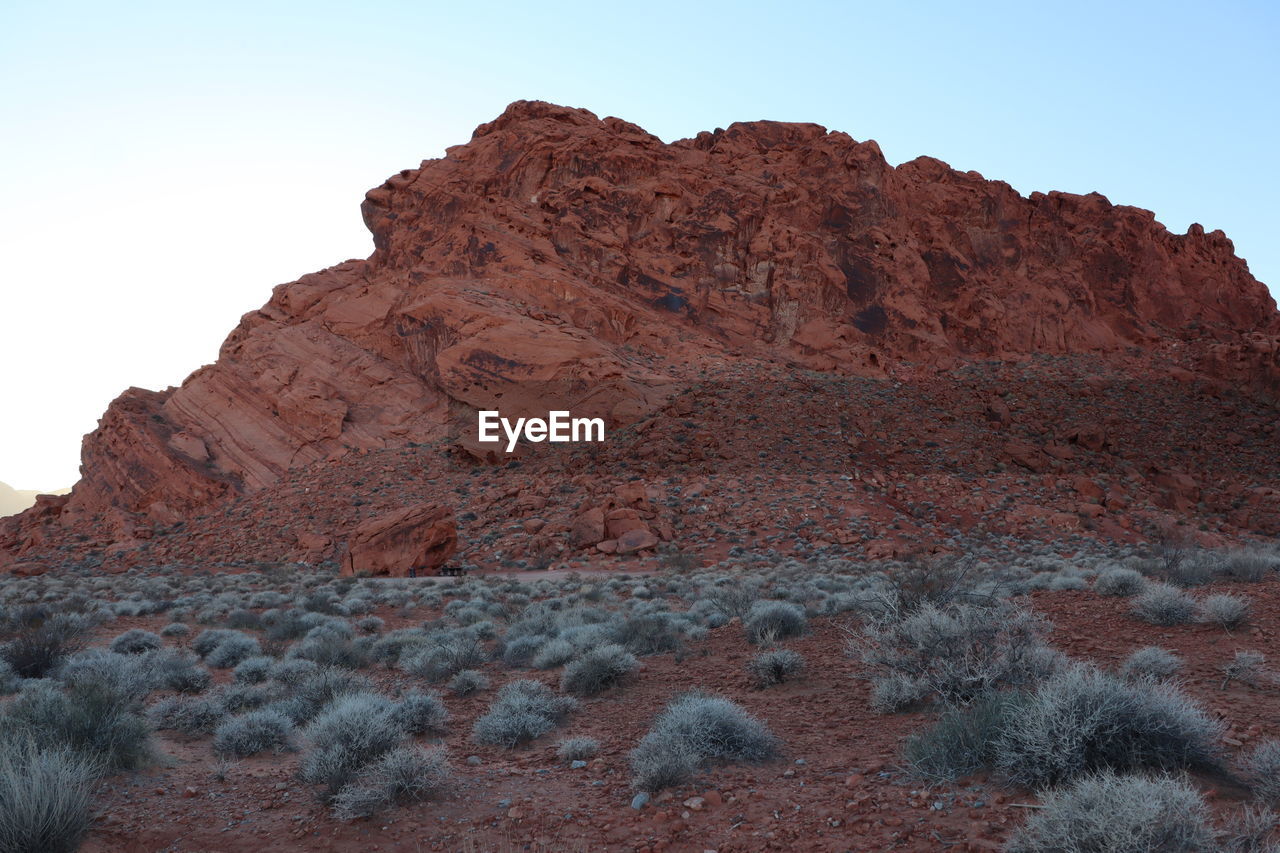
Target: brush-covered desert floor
<point x="1004" y="699"/>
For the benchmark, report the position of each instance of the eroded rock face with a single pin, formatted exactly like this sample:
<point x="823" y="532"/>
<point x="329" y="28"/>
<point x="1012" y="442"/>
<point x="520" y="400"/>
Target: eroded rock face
<point x="415" y="540"/>
<point x="561" y="259"/>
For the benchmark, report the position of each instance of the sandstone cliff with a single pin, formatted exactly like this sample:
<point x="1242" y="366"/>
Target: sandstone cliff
<point x="558" y="254"/>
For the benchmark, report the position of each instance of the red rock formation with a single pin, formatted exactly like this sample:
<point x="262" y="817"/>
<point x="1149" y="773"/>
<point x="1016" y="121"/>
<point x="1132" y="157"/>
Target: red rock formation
<point x="415" y="540"/>
<point x="561" y="258"/>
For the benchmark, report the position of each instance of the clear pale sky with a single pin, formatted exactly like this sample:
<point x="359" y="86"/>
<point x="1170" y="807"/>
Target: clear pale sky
<point x="165" y="164"/>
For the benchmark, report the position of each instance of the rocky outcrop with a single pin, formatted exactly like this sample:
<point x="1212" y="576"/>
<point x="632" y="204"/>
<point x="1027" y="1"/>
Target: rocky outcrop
<point x="416" y="540"/>
<point x="559" y="260"/>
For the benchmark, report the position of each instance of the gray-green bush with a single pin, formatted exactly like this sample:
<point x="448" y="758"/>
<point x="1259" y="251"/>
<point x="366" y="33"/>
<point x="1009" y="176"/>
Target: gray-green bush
<point x="404" y="775"/>
<point x="770" y="621"/>
<point x="1082" y="720"/>
<point x="598" y="670"/>
<point x="693" y="729"/>
<point x="88" y="718"/>
<point x="468" y="681"/>
<point x="521" y="712"/>
<point x="190" y="715"/>
<point x="1164" y="604"/>
<point x="421" y="713"/>
<point x="136" y="642"/>
<point x="774" y="666"/>
<point x="964" y="739"/>
<point x="1109" y="813"/>
<point x="351" y="732"/>
<point x="1225" y="611"/>
<point x="578" y="749"/>
<point x="1151" y="662"/>
<point x="46" y="797"/>
<point x="1119" y="582"/>
<point x="955" y="651"/>
<point x="254" y="732"/>
<point x="1263" y="769"/>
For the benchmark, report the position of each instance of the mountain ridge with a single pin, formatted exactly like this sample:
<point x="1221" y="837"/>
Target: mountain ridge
<point x="560" y="249"/>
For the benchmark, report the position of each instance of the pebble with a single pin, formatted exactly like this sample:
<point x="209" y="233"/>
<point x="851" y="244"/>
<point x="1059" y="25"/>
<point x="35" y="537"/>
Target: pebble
<point x="639" y="801"/>
<point x="474" y="760"/>
<point x="577" y="765"/>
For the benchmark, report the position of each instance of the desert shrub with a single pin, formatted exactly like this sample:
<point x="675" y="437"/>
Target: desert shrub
<point x="1119" y="581"/>
<point x="1067" y="582"/>
<point x="521" y="712"/>
<point x="554" y="653"/>
<point x="707" y="613"/>
<point x="1225" y="611"/>
<point x="1252" y="829"/>
<point x="1263" y="769"/>
<point x="191" y="715"/>
<point x="178" y="671"/>
<point x="251" y="733"/>
<point x="328" y="646"/>
<point x="445" y="657"/>
<point x="42" y="642"/>
<point x="660" y="762"/>
<point x="955" y="652"/>
<point x="520" y="651"/>
<point x="292" y="672"/>
<point x="254" y="670"/>
<point x="46" y="797"/>
<point x="421" y="713"/>
<point x="964" y="739"/>
<point x="242" y="619"/>
<point x="313" y="692"/>
<point x="898" y="692"/>
<point x="1245" y="667"/>
<point x="404" y="775"/>
<point x="233" y="649"/>
<point x="176" y="629"/>
<point x="1248" y="564"/>
<point x="389" y="648"/>
<point x="647" y="634"/>
<point x="732" y="599"/>
<point x="584" y="637"/>
<point x="285" y="625"/>
<point x="9" y="681"/>
<point x="128" y="677"/>
<point x="598" y="670"/>
<point x="1109" y="813"/>
<point x="370" y="624"/>
<point x="209" y="639"/>
<point x="770" y="621"/>
<point x="1081" y="721"/>
<point x="1196" y="569"/>
<point x="237" y="698"/>
<point x="774" y="666"/>
<point x="88" y="717"/>
<point x="696" y="728"/>
<point x="467" y="682"/>
<point x="1162" y="604"/>
<point x="352" y="732"/>
<point x="1151" y="662"/>
<point x="578" y="749"/>
<point x="136" y="642"/>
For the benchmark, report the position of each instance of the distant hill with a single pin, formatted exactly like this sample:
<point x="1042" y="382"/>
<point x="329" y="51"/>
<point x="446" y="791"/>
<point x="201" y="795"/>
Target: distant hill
<point x="14" y="501"/>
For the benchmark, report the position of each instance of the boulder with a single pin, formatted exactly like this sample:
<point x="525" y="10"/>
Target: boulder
<point x="415" y="539"/>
